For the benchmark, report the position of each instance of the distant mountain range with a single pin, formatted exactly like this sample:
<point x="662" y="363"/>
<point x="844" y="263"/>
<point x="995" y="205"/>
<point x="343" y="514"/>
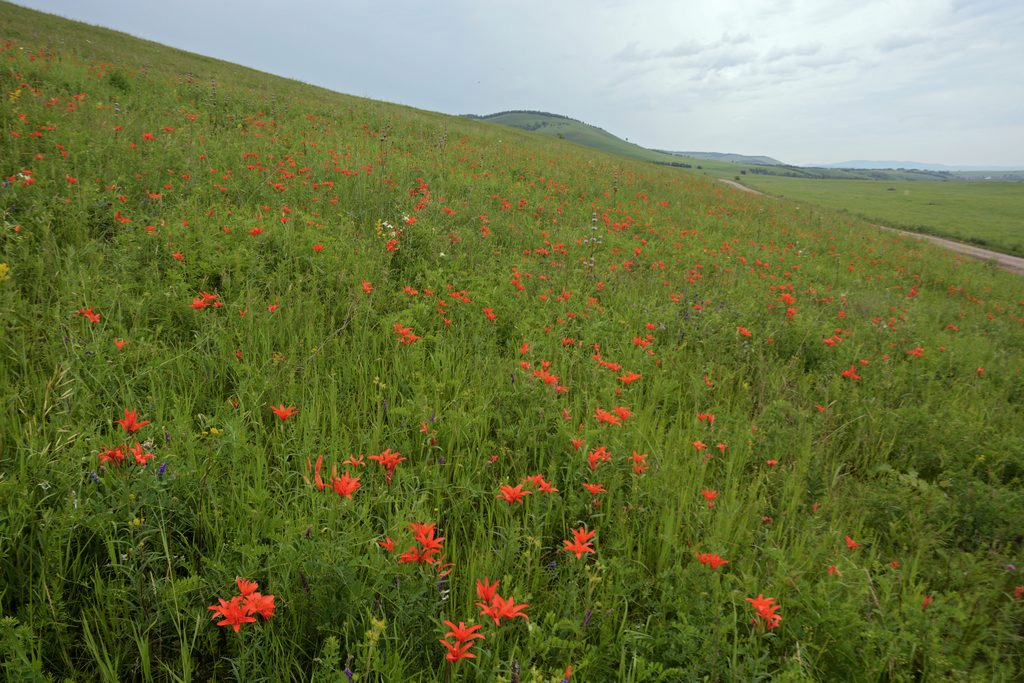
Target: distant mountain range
<point x="863" y="164"/>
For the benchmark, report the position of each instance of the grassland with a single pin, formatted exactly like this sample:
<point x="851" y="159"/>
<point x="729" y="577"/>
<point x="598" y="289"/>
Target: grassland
<point x="291" y="380"/>
<point x="987" y="213"/>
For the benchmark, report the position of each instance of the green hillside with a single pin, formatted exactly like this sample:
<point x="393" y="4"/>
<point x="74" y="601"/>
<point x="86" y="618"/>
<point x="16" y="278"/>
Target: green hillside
<point x="299" y="386"/>
<point x="565" y="128"/>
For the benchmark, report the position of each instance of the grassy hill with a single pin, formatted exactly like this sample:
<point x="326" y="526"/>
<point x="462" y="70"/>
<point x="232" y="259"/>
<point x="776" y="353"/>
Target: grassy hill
<point x="297" y="385"/>
<point x="713" y="163"/>
<point x="565" y="128"/>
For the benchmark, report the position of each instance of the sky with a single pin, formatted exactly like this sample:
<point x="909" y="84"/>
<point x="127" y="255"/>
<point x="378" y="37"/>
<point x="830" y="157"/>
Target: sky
<point x="803" y="81"/>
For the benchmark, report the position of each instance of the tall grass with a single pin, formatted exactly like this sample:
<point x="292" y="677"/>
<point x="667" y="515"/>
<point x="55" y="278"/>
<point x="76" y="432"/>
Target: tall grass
<point x="184" y="183"/>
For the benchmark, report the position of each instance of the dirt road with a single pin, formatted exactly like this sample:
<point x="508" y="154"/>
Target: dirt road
<point x="1014" y="264"/>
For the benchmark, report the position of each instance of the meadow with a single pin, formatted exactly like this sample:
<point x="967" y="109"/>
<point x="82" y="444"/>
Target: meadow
<point x="977" y="212"/>
<point x="300" y="386"/>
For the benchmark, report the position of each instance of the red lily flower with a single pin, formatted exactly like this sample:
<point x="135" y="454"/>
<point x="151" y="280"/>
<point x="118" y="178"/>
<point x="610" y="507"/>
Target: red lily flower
<point x="130" y="421"/>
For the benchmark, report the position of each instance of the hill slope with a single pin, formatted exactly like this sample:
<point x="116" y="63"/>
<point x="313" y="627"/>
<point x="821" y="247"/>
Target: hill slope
<point x="297" y="385"/>
<point x="565" y="128"/>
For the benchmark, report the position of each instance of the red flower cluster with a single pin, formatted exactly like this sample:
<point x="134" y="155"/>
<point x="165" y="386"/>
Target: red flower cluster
<point x="766" y="609"/>
<point x="711" y="559"/>
<point x="405" y="335"/>
<point x="581" y="542"/>
<point x="390" y="460"/>
<point x="241" y="609"/>
<point x="463" y="636"/>
<point x="429" y="546"/>
<point x="345" y="485"/>
<point x="494" y="605"/>
<point x="89" y="314"/>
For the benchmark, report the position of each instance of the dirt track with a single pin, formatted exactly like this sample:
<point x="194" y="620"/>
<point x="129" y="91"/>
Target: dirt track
<point x="1014" y="264"/>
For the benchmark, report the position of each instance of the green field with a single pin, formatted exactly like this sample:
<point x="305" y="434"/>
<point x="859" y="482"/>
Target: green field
<point x="299" y="386"/>
<point x="990" y="214"/>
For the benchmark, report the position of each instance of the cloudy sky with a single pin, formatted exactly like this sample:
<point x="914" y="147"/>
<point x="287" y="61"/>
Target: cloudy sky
<point x="804" y="81"/>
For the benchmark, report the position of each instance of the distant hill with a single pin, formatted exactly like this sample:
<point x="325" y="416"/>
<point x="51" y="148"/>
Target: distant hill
<point x="566" y="128"/>
<point x="729" y="165"/>
<point x="918" y="165"/>
<point x="731" y="158"/>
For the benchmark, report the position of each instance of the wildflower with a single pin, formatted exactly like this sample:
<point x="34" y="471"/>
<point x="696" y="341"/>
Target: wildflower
<point x="852" y="544"/>
<point x="463" y="640"/>
<point x="1018" y="593"/>
<point x="463" y="633"/>
<point x="367" y="287"/>
<point x="771" y="463"/>
<point x="629" y="378"/>
<point x="711" y="559"/>
<point x="542" y="485"/>
<point x="257" y="603"/>
<point x="406" y="334"/>
<point x="710" y="496"/>
<point x="598" y="455"/>
<point x="766" y="609"/>
<point x="389" y="460"/>
<point x="513" y="494"/>
<point x="424" y="534"/>
<point x="744" y="331"/>
<point x="345" y="485"/>
<point x="606" y="417"/>
<point x="490" y="314"/>
<point x="458" y="650"/>
<point x="387" y="544"/>
<point x="114" y="456"/>
<point x="318" y="248"/>
<point x="639" y="462"/>
<point x="833" y="570"/>
<point x="851" y="373"/>
<point x="233" y="612"/>
<point x="581" y="542"/>
<point x="927" y="601"/>
<point x="120" y="343"/>
<point x="282" y="412"/>
<point x="500" y="608"/>
<point x="317" y="479"/>
<point x="178" y="256"/>
<point x="130" y="422"/>
<point x="141" y="457"/>
<point x="486" y="590"/>
<point x="594" y="489"/>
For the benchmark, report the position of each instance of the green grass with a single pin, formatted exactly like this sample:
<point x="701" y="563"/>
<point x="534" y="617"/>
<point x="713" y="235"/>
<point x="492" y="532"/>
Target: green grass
<point x="984" y="213"/>
<point x="199" y="243"/>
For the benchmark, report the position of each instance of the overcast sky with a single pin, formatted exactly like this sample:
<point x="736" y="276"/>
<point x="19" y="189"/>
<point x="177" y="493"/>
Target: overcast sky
<point x="804" y="81"/>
